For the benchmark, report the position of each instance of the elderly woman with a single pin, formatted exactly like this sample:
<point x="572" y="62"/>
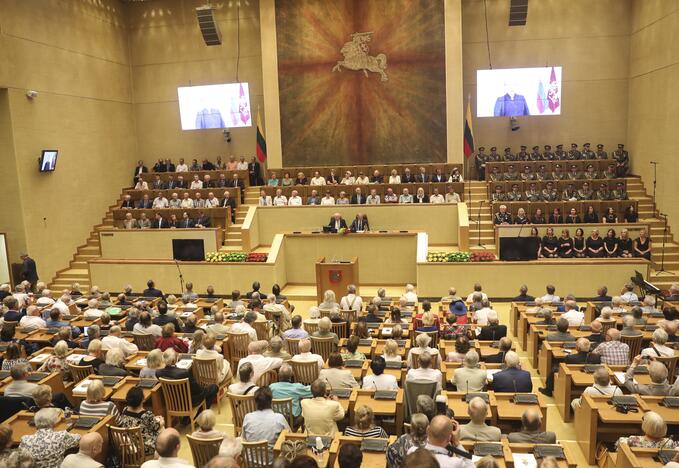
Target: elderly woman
<point x="13" y="357"/>
<point x="42" y="396"/>
<point x="391" y="351"/>
<point x="428" y="323"/>
<point x="352" y="352"/>
<point x="8" y="456"/>
<point x="207" y="420"/>
<point x="336" y="376"/>
<point x="325" y="330"/>
<point x="57" y="361"/>
<point x="421" y="345"/>
<point x="276" y="349"/>
<point x="211" y="351"/>
<point x="197" y="341"/>
<point x="655" y="429"/>
<point x="417" y="438"/>
<point x="606" y="317"/>
<point x="329" y="301"/>
<point x="168" y="340"/>
<point x="146" y="326"/>
<point x="154" y="361"/>
<point x="657" y="346"/>
<point x="95" y="405"/>
<point x="95" y="356"/>
<point x="461" y="349"/>
<point x="134" y="415"/>
<point x="364" y="425"/>
<point x="132" y="318"/>
<point x="470" y="377"/>
<point x="115" y="363"/>
<point x="628" y="329"/>
<point x="314" y="315"/>
<point x="47" y="446"/>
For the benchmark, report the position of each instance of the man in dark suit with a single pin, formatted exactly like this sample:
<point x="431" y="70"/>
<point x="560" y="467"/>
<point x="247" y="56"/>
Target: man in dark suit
<point x="493" y="331"/>
<point x="512" y="379"/>
<point x="207" y="165"/>
<point x="236" y="182"/>
<point x="202" y="221"/>
<point x="602" y="295"/>
<point x="422" y="176"/>
<point x="158" y="183"/>
<point x="358" y="198"/>
<point x="360" y="223"/>
<point x="181" y="183"/>
<point x="12" y="314"/>
<point x="438" y="176"/>
<point x="29" y="270"/>
<point x="171" y="371"/>
<point x="145" y="203"/>
<point x="168" y="166"/>
<point x="127" y="202"/>
<point x="138" y="171"/>
<point x="407" y="177"/>
<point x="504" y="348"/>
<point x="229" y="202"/>
<point x="582" y="355"/>
<point x="254" y="172"/>
<point x="164" y="319"/>
<point x="186" y="222"/>
<point x="337" y="222"/>
<point x="523" y="295"/>
<point x="171" y="183"/>
<point x="159" y="222"/>
<point x="151" y="290"/>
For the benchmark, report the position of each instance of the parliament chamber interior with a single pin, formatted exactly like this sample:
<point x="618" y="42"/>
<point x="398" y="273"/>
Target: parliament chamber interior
<point x="339" y="233"/>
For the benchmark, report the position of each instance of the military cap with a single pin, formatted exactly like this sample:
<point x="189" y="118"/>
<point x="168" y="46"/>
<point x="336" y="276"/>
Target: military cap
<point x="600" y="146"/>
<point x="482" y="148"/>
<point x="536" y="147"/>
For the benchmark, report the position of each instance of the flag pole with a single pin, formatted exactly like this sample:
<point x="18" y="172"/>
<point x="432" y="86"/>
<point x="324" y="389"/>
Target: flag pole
<point x="265" y="171"/>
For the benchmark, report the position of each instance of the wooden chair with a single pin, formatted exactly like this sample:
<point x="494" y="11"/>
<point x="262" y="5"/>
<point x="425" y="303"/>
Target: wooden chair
<point x="323" y="346"/>
<point x="634" y="343"/>
<point x="671" y="364"/>
<point x="606" y="325"/>
<point x="240" y="406"/>
<point x="206" y="373"/>
<point x="144" y="341"/>
<point x="80" y="373"/>
<point x="262" y="328"/>
<point x="267" y="378"/>
<point x="311" y="328"/>
<point x="237" y="344"/>
<point x="203" y="450"/>
<point x="177" y="396"/>
<point x="292" y="345"/>
<point x="325" y="312"/>
<point x="349" y="316"/>
<point x="128" y="445"/>
<point x="434" y="361"/>
<point x="284" y="407"/>
<point x="340" y="329"/>
<point x="434" y="335"/>
<point x="305" y="372"/>
<point x="256" y="454"/>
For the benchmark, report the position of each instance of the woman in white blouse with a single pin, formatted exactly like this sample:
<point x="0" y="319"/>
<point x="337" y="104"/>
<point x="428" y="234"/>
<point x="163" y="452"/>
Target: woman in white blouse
<point x="211" y="351"/>
<point x="394" y="178"/>
<point x="348" y="179"/>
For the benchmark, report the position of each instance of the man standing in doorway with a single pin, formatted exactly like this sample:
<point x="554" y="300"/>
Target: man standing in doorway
<point x="29" y="271"/>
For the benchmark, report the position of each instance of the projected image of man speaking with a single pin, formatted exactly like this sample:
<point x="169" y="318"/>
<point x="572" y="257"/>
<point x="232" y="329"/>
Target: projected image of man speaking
<point x="510" y="104"/>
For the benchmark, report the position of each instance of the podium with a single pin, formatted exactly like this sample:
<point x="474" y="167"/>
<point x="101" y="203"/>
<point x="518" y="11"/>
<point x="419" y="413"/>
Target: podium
<point x="335" y="276"/>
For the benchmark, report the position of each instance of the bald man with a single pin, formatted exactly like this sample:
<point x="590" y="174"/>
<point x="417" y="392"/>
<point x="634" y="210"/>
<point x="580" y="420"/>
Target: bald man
<point x="477" y="429"/>
<point x="531" y="430"/>
<point x="167" y="447"/>
<point x="90" y="447"/>
<point x="659" y="385"/>
<point x="612" y="351"/>
<point x="441" y="433"/>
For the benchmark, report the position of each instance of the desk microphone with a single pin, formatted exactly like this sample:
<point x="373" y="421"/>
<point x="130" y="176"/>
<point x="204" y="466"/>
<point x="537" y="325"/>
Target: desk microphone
<point x="514" y="382"/>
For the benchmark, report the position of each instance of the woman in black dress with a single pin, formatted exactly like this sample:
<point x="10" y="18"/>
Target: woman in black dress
<point x="550" y="244"/>
<point x="579" y="248"/>
<point x="573" y="217"/>
<point x="555" y="217"/>
<point x="642" y="245"/>
<point x="591" y="216"/>
<point x="565" y="244"/>
<point x="534" y="233"/>
<point x="611" y="244"/>
<point x="521" y="217"/>
<point x="538" y="217"/>
<point x="631" y="215"/>
<point x="625" y="245"/>
<point x="610" y="217"/>
<point x="595" y="245"/>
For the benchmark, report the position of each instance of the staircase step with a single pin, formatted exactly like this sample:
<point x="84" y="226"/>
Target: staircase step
<point x="233" y="242"/>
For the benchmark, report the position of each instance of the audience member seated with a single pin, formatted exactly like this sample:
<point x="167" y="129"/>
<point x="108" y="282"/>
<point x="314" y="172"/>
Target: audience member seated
<point x="462" y="347"/>
<point x="57" y="361"/>
<point x="655" y="429"/>
<point x="171" y="371"/>
<point x="115" y="340"/>
<point x="656" y="348"/>
<point x="562" y="333"/>
<point x="114" y="365"/>
<point x="659" y="385"/>
<point x="531" y="421"/>
<point x="493" y="331"/>
<point x="305" y="354"/>
<point x="612" y="351"/>
<point x="168" y="445"/>
<point x="505" y="345"/>
<point x="246" y="382"/>
<point x="13" y="357"/>
<point x="512" y="378"/>
<point x="32" y="320"/>
<point x="470" y="377"/>
<point x="364" y="425"/>
<point x="168" y="340"/>
<point x="329" y="301"/>
<point x="480" y="316"/>
<point x="602" y="386"/>
<point x="477" y="429"/>
<point x="264" y="424"/>
<point x="321" y="412"/>
<point x="19" y="386"/>
<point x="352" y="352"/>
<point x="417" y="438"/>
<point x="628" y="324"/>
<point x="46" y="446"/>
<point x="336" y="376"/>
<point x="260" y="363"/>
<point x="296" y="332"/>
<point x="90" y="447"/>
<point x="351" y="301"/>
<point x="582" y="355"/>
<point x="422" y="345"/>
<point x="378" y="380"/>
<point x="95" y="405"/>
<point x="134" y="415"/>
<point x="391" y="353"/>
<point x="287" y="388"/>
<point x="154" y="361"/>
<point x="245" y="326"/>
<point x="425" y="372"/>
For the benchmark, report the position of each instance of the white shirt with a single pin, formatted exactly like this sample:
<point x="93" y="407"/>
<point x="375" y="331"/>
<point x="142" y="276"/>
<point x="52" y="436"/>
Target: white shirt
<point x="175" y="203"/>
<point x="93" y="313"/>
<point x="327" y="201"/>
<point x="574" y="317"/>
<point x="32" y="322"/>
<point x="481" y="316"/>
<point x="80" y="460"/>
<point x="154" y="329"/>
<point x="470" y="298"/>
<point x="265" y="201"/>
<point x="212" y="203"/>
<point x="362" y="180"/>
<point x="380" y="382"/>
<point x="45" y="301"/>
<point x="395" y="179"/>
<point x="348" y="181"/>
<point x="551" y="298"/>
<point x="373" y="200"/>
<point x="242" y="166"/>
<point x="182" y="168"/>
<point x="160" y="202"/>
<point x="280" y="200"/>
<point x="243" y="327"/>
<point x="167" y="462"/>
<point x="111" y="342"/>
<point x="142" y="185"/>
<point x="426" y="374"/>
<point x="437" y="199"/>
<point x="317" y="181"/>
<point x="629" y="296"/>
<point x="63" y="308"/>
<point x="599" y="390"/>
<point x="664" y="351"/>
<point x="351" y="302"/>
<point x="295" y="201"/>
<point x="309" y="357"/>
<point x="187" y="203"/>
<point x="261" y="364"/>
<point x="442" y="457"/>
<point x="452" y="198"/>
<point x="410" y="297"/>
<point x="196" y="184"/>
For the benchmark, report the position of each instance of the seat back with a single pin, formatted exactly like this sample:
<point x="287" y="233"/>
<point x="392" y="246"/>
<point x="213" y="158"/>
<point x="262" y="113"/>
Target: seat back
<point x="237" y="344"/>
<point x="634" y="343"/>
<point x="256" y="455"/>
<point x="292" y="344"/>
<point x="325" y="312"/>
<point x="323" y="346"/>
<point x="340" y="329"/>
<point x="128" y="444"/>
<point x="671" y="364"/>
<point x="606" y="325"/>
<point x="203" y="450"/>
<point x="305" y="372"/>
<point x="205" y="371"/>
<point x="177" y="395"/>
<point x="267" y="378"/>
<point x="311" y="328"/>
<point x="144" y="341"/>
<point x="349" y="316"/>
<point x="284" y="407"/>
<point x="240" y="406"/>
<point x="80" y="373"/>
<point x="262" y="328"/>
<point x="413" y="389"/>
<point x="416" y="361"/>
<point x="9" y="406"/>
<point x="434" y="335"/>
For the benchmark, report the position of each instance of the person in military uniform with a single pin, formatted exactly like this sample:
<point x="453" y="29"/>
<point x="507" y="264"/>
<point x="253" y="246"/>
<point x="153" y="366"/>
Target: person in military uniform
<point x="609" y="173"/>
<point x="621" y="160"/>
<point x="508" y="156"/>
<point x="535" y="154"/>
<point x="498" y="195"/>
<point x="542" y="173"/>
<point x="587" y="153"/>
<point x="502" y="216"/>
<point x="533" y="194"/>
<point x="494" y="156"/>
<point x="600" y="153"/>
<point x="523" y="154"/>
<point x="495" y="174"/>
<point x="585" y="193"/>
<point x="569" y="193"/>
<point x="527" y="174"/>
<point x="574" y="174"/>
<point x="549" y="193"/>
<point x="480" y="161"/>
<point x="557" y="173"/>
<point x="574" y="153"/>
<point x="515" y="194"/>
<point x="547" y="154"/>
<point x="511" y="173"/>
<point x="604" y="192"/>
<point x="620" y="193"/>
<point x="590" y="173"/>
<point x="560" y="153"/>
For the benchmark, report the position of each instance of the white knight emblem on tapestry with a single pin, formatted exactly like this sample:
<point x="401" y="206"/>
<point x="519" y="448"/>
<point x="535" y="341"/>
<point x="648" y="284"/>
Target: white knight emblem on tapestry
<point x="356" y="56"/>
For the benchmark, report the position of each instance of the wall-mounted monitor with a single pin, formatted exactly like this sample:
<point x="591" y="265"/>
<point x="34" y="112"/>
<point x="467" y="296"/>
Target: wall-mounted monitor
<point x="214" y="106"/>
<point x="513" y="92"/>
<point x="48" y="160"/>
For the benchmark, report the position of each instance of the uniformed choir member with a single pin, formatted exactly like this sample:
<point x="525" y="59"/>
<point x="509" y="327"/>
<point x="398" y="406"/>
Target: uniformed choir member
<point x="560" y="153"/>
<point x="569" y="193"/>
<point x="480" y="161"/>
<point x="498" y="195"/>
<point x="620" y="193"/>
<point x="600" y="153"/>
<point x="527" y="174"/>
<point x="574" y="174"/>
<point x="494" y="155"/>
<point x="574" y="153"/>
<point x="533" y="194"/>
<point x="549" y="193"/>
<point x="515" y="194"/>
<point x="585" y="193"/>
<point x="547" y="154"/>
<point x="511" y="173"/>
<point x="495" y="174"/>
<point x="542" y="173"/>
<point x="508" y="156"/>
<point x="587" y="153"/>
<point x="523" y="154"/>
<point x="591" y="173"/>
<point x="557" y="173"/>
<point x="502" y="216"/>
<point x="621" y="160"/>
<point x="609" y="173"/>
<point x="604" y="192"/>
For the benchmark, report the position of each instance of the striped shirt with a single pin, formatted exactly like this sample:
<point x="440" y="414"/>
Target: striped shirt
<point x="101" y="409"/>
<point x="372" y="433"/>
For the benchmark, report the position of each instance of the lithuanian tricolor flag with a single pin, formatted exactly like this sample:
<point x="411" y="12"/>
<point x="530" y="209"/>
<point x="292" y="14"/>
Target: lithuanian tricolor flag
<point x="261" y="142"/>
<point x="468" y="132"/>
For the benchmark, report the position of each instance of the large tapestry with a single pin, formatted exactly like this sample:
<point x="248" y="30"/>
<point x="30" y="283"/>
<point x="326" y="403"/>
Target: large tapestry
<point x="361" y="81"/>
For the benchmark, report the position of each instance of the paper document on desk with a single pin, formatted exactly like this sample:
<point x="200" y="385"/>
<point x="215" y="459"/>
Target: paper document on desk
<point x="140" y="362"/>
<point x="40" y="357"/>
<point x="82" y="386"/>
<point x="620" y="377"/>
<point x="75" y="358"/>
<point x="184" y="363"/>
<point x="524" y="460"/>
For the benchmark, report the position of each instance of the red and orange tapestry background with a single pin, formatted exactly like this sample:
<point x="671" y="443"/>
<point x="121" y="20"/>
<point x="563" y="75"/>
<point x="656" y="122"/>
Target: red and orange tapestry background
<point x="344" y="117"/>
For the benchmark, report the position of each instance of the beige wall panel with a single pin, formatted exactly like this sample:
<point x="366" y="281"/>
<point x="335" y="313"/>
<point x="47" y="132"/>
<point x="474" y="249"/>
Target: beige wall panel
<point x="150" y="243"/>
<point x="381" y="259"/>
<point x="645" y="12"/>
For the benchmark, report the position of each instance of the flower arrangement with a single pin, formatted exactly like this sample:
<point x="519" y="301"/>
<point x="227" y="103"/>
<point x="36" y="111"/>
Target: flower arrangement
<point x="437" y="257"/>
<point x="256" y="257"/>
<point x="226" y="257"/>
<point x="342" y="231"/>
<point x="449" y="257"/>
<point x="483" y="256"/>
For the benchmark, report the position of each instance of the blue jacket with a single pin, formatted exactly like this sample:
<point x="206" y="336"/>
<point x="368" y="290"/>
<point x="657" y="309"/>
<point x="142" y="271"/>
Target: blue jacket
<point x="512" y="380"/>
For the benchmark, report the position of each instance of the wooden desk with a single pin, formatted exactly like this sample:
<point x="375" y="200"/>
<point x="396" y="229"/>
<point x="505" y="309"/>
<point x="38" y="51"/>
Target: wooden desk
<point x="328" y="455"/>
<point x="370" y="459"/>
<point x="508" y="414"/>
<point x="132" y="365"/>
<point x="569" y="462"/>
<point x="380" y="407"/>
<point x="628" y="457"/>
<point x="569" y="384"/>
<point x="457" y="403"/>
<point x="54" y="380"/>
<point x="154" y="394"/>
